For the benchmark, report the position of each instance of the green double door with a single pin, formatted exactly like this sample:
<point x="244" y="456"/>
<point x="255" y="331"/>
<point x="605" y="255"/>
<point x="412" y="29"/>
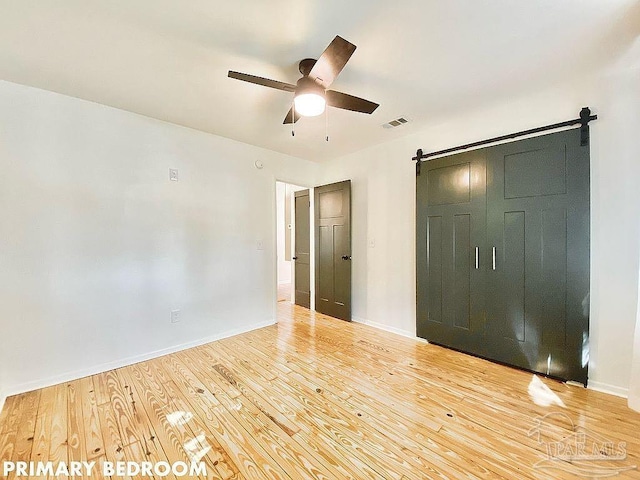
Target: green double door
<point x="503" y="253"/>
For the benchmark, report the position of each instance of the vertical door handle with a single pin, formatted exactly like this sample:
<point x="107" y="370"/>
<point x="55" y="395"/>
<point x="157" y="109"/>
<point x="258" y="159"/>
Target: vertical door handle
<point x="493" y="257"/>
<point x="294" y="258"/>
<point x="477" y="258"/>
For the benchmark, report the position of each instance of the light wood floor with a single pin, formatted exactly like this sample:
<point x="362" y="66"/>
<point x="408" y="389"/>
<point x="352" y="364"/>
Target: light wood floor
<point x="284" y="292"/>
<point x="314" y="397"/>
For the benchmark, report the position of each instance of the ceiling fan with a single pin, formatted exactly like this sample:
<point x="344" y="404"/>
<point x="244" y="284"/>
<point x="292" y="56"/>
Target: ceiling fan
<point x="311" y="94"/>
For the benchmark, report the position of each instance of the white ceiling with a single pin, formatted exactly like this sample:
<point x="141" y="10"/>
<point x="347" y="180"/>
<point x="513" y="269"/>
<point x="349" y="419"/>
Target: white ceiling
<point x="422" y="59"/>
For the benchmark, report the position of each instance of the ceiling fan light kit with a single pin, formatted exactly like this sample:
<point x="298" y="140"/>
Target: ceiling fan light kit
<point x="309" y="104"/>
<point x="311" y="94"/>
<point x="309" y="100"/>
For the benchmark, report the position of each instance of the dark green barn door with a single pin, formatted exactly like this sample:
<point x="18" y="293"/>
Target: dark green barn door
<point x="528" y="301"/>
<point x="451" y="238"/>
<point x="538" y="233"/>
<point x="333" y="249"/>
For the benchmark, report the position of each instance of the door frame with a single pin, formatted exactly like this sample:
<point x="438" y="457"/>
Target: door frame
<point x="312" y="263"/>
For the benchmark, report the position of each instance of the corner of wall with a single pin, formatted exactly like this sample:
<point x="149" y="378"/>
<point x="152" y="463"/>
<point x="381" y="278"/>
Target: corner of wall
<point x="607" y="388"/>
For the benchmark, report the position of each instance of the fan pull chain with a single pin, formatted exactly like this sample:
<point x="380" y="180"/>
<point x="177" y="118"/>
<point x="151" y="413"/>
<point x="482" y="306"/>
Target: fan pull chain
<point x="293" y="118"/>
<point x="326" y="122"/>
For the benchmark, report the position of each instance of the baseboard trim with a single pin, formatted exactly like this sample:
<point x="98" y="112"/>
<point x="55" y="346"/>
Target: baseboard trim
<point x="606" y="388"/>
<point x="387" y="328"/>
<point x="104" y="367"/>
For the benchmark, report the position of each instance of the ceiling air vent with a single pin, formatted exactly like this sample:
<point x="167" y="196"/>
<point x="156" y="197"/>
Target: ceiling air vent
<point x="395" y="123"/>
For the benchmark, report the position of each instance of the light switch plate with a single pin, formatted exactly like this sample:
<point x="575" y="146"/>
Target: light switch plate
<point x="173" y="174"/>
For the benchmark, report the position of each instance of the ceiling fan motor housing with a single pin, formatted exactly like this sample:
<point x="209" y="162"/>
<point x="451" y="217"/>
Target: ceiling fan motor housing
<point x="307" y="85"/>
<point x="306" y="65"/>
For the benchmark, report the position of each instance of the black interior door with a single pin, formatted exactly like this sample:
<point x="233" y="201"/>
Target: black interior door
<point x="451" y="237"/>
<point x="333" y="249"/>
<point x="538" y="243"/>
<point x="528" y="300"/>
<point x="302" y="255"/>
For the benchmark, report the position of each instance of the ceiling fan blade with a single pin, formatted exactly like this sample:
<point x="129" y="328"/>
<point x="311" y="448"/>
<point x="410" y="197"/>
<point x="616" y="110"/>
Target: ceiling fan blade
<point x="266" y="82"/>
<point x="290" y="118"/>
<point x="349" y="102"/>
<point x="332" y="61"/>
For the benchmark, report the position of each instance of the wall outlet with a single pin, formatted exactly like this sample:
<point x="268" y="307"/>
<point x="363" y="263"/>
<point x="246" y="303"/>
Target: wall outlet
<point x="173" y="174"/>
<point x="175" y="316"/>
<point x="260" y="245"/>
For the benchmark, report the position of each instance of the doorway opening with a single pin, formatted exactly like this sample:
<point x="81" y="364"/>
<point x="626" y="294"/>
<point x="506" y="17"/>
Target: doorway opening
<point x="286" y="242"/>
<point x="313" y="242"/>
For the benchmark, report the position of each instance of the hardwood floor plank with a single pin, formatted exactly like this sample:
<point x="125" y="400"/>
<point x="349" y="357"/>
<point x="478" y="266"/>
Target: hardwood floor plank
<point x="58" y="445"/>
<point x="113" y="444"/>
<point x="10" y="415"/>
<point x="100" y="388"/>
<point x="26" y="429"/>
<point x="119" y="401"/>
<point x="94" y="444"/>
<point x="7" y="446"/>
<point x="76" y="440"/>
<point x="42" y="431"/>
<point x="7" y="409"/>
<point x="135" y="452"/>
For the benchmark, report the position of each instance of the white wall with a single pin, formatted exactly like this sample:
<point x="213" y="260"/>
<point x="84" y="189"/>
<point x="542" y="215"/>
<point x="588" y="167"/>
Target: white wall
<point x="383" y="195"/>
<point x="97" y="246"/>
<point x="632" y="57"/>
<point x="634" y="387"/>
